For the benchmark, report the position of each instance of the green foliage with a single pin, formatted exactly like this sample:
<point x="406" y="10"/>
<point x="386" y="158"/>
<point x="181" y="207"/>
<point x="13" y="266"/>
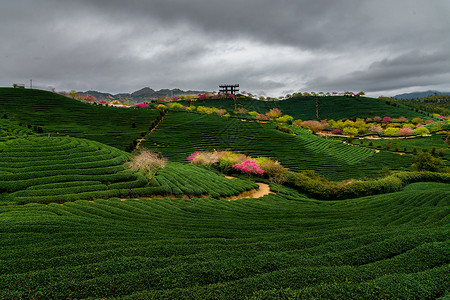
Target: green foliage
<point x="424" y="161"/>
<point x="421" y="131"/>
<point x="350" y="131"/>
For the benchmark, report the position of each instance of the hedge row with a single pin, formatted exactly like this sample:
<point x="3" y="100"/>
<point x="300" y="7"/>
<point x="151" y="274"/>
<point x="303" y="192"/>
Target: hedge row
<point x="322" y="189"/>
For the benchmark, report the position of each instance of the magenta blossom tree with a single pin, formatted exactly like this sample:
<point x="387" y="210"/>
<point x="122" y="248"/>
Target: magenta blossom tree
<point x="249" y="166"/>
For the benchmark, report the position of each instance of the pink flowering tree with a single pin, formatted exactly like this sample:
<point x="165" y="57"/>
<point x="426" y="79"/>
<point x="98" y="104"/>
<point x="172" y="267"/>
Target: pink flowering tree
<point x="142" y="105"/>
<point x="336" y="131"/>
<point x="147" y="162"/>
<point x="405" y="131"/>
<point x="375" y="129"/>
<point x="249" y="166"/>
<point x="274" y="113"/>
<point x="313" y="125"/>
<point x="386" y="119"/>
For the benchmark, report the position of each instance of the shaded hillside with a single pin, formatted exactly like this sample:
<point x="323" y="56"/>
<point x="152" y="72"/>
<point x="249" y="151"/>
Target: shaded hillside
<point x="64" y="116"/>
<point x="333" y="107"/>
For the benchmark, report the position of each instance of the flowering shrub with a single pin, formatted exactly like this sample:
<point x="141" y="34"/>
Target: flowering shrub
<point x="297" y="123"/>
<point x="274" y="113"/>
<point x="336" y="131"/>
<point x="417" y="120"/>
<point x="205" y="158"/>
<point x="221" y="112"/>
<point x="390" y="131"/>
<point x="285" y="119"/>
<point x="421" y="131"/>
<point x="405" y="131"/>
<point x="139" y="105"/>
<point x="175" y="105"/>
<point x="375" y="129"/>
<point x="241" y="111"/>
<point x="249" y="166"/>
<point x="102" y="102"/>
<point x="161" y="107"/>
<point x="428" y="122"/>
<point x="253" y="113"/>
<point x="350" y="131"/>
<point x="402" y="120"/>
<point x="386" y="119"/>
<point x="148" y="162"/>
<point x="314" y="126"/>
<point x="377" y="119"/>
<point x="261" y="117"/>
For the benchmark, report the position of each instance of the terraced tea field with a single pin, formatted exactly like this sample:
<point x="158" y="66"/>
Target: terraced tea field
<point x="278" y="246"/>
<point x="181" y="134"/>
<point x="44" y="170"/>
<point x="70" y="230"/>
<point x="62" y="116"/>
<point x="332" y="107"/>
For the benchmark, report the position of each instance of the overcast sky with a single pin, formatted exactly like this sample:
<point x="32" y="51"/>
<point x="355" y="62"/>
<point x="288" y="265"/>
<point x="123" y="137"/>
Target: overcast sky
<point x="382" y="47"/>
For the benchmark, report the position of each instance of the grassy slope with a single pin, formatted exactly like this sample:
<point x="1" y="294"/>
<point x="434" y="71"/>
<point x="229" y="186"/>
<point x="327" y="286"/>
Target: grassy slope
<point x="109" y="125"/>
<point x="182" y="133"/>
<point x="279" y="246"/>
<point x="333" y="107"/>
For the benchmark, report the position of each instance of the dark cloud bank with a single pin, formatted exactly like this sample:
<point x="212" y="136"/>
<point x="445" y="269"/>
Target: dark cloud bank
<point x="381" y="47"/>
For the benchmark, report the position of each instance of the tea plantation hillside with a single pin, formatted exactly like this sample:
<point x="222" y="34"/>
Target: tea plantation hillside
<point x="330" y="107"/>
<point x="76" y="222"/>
<point x="181" y="133"/>
<point x="54" y="113"/>
<point x="45" y="170"/>
<point x="276" y="247"/>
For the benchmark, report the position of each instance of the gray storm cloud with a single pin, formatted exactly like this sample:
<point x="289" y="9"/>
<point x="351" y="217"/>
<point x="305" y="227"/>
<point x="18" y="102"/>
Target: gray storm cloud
<point x="272" y="46"/>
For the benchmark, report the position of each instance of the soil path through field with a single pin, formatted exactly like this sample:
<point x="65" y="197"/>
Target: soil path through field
<point x="263" y="190"/>
<point x="139" y="141"/>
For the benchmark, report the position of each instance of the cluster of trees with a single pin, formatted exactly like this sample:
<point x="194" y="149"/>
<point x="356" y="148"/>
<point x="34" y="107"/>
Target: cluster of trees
<point x="381" y="126"/>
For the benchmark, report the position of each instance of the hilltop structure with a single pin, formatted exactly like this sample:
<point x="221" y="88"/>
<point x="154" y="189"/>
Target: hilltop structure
<point x="229" y="88"/>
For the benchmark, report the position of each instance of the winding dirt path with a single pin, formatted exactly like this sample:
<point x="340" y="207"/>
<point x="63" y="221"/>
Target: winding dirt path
<point x="263" y="190"/>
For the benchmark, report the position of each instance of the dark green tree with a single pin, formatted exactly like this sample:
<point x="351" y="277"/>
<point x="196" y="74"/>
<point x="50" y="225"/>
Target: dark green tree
<point x="424" y="161"/>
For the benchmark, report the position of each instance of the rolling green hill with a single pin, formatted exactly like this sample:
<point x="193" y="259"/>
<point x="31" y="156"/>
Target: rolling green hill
<point x="383" y="247"/>
<point x="181" y="134"/>
<point x="332" y="107"/>
<point x="116" y="127"/>
<point x="68" y="229"/>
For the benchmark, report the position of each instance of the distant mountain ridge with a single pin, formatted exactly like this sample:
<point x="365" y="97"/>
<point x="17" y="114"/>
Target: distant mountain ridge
<point x="418" y="95"/>
<point x="144" y="94"/>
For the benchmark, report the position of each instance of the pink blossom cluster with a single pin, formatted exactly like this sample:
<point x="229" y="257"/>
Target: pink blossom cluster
<point x="261" y="117"/>
<point x="249" y="166"/>
<point x="336" y="131"/>
<point x="405" y="131"/>
<point x="102" y="102"/>
<point x="142" y="105"/>
<point x="193" y="156"/>
<point x="386" y="119"/>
